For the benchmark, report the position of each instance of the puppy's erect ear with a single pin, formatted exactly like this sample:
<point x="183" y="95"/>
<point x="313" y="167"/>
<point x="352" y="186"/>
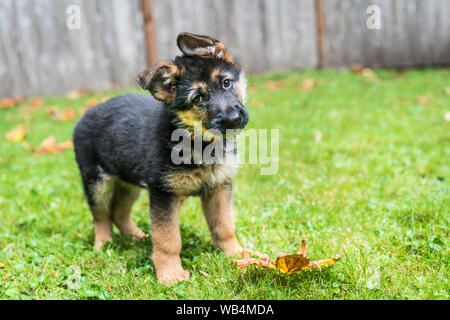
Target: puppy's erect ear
<point x="203" y="46"/>
<point x="160" y="80"/>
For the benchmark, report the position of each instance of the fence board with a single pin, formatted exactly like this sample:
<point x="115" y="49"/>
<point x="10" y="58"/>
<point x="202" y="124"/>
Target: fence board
<point x="413" y="33"/>
<point x="262" y="34"/>
<point x="39" y="55"/>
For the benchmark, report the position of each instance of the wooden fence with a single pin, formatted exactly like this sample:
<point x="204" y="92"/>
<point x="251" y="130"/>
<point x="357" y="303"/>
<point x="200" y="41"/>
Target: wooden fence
<point x="40" y="55"/>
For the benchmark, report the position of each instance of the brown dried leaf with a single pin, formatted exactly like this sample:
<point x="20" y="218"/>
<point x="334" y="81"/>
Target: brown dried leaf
<point x="447" y="90"/>
<point x="16" y="134"/>
<point x="357" y="67"/>
<point x="49" y="146"/>
<point x="263" y="261"/>
<point x="53" y="113"/>
<point x="307" y="84"/>
<point x="68" y="114"/>
<point x="37" y="102"/>
<point x="91" y="103"/>
<point x="322" y="263"/>
<point x="56" y="114"/>
<point x="304" y="249"/>
<point x="104" y="99"/>
<point x="273" y="85"/>
<point x="286" y="263"/>
<point x="369" y="75"/>
<point x="10" y="102"/>
<point x="65" y="145"/>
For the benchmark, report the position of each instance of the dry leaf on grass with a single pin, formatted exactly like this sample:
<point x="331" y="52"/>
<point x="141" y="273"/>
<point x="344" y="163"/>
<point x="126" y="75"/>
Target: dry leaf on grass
<point x="53" y="113"/>
<point x="2" y="265"/>
<point x="16" y="134"/>
<point x="10" y="102"/>
<point x="318" y="136"/>
<point x="66" y="114"/>
<point x="286" y="263"/>
<point x="37" y="102"/>
<point x="6" y="276"/>
<point x="307" y="84"/>
<point x="273" y="85"/>
<point x="357" y="67"/>
<point x="367" y="73"/>
<point x="91" y="103"/>
<point x="49" y="146"/>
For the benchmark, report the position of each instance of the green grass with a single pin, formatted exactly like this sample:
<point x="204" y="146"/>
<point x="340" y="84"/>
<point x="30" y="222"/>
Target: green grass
<point x="376" y="188"/>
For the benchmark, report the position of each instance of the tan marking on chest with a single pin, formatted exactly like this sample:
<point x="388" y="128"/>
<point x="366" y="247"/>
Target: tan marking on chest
<point x="207" y="176"/>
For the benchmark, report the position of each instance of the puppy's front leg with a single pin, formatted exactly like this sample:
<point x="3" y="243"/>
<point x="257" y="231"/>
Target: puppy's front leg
<point x="218" y="209"/>
<point x="164" y="212"/>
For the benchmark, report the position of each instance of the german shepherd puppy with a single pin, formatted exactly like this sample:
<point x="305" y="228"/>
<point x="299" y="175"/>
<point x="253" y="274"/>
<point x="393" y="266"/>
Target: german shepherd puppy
<point x="125" y="144"/>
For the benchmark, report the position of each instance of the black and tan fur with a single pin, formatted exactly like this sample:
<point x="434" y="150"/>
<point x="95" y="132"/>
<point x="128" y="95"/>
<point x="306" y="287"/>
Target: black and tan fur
<point x="124" y="145"/>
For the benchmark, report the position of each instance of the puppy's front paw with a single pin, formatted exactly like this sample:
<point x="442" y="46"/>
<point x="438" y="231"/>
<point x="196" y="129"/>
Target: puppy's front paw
<point x="231" y="248"/>
<point x="172" y="276"/>
<point x="139" y="235"/>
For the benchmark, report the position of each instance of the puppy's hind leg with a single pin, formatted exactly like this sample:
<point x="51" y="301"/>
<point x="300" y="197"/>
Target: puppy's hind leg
<point x="100" y="204"/>
<point x="125" y="196"/>
<point x="102" y="227"/>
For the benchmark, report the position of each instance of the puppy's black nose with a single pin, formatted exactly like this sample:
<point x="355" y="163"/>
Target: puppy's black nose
<point x="233" y="119"/>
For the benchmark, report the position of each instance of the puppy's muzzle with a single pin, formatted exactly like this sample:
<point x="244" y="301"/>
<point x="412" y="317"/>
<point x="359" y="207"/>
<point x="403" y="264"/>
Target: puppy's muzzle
<point x="236" y="117"/>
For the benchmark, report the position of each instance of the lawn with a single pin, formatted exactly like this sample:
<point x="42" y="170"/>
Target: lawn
<point x="363" y="170"/>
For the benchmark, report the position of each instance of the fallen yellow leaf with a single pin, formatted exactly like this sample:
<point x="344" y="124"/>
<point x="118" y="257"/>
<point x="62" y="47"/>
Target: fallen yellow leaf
<point x="16" y="134"/>
<point x="49" y="146"/>
<point x="10" y="102"/>
<point x="2" y="265"/>
<point x="7" y="276"/>
<point x="273" y="85"/>
<point x="75" y="94"/>
<point x="68" y="114"/>
<point x="37" y="102"/>
<point x="286" y="263"/>
<point x="91" y="103"/>
<point x="307" y="84"/>
<point x="367" y="73"/>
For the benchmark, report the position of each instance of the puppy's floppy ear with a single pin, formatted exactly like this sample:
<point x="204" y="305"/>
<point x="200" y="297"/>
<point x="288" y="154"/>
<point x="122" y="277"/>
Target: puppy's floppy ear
<point x="203" y="46"/>
<point x="160" y="80"/>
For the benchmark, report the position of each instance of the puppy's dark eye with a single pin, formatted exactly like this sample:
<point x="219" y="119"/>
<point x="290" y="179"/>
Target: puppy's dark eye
<point x="198" y="99"/>
<point x="226" y="83"/>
